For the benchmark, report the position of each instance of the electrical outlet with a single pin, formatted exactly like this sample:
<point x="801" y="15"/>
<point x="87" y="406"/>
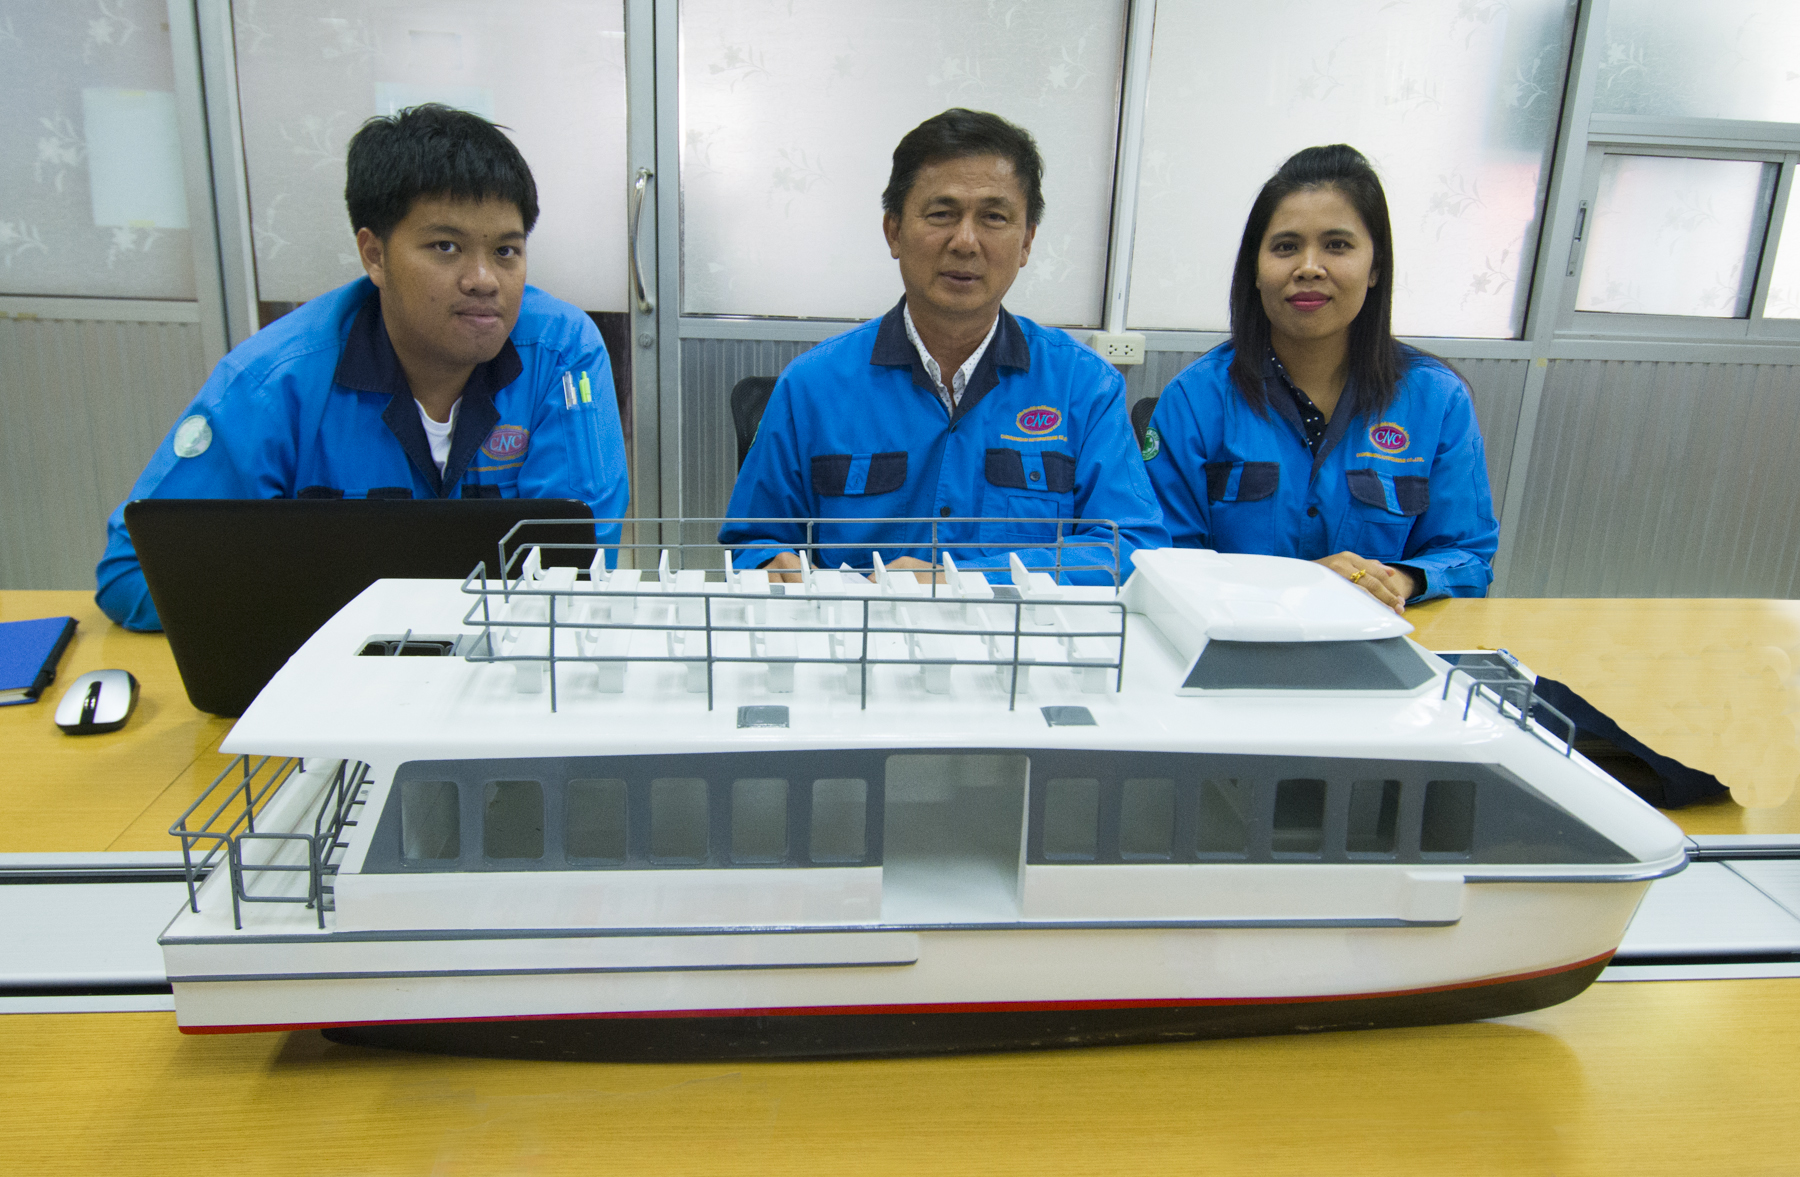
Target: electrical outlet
<point x="1122" y="347"/>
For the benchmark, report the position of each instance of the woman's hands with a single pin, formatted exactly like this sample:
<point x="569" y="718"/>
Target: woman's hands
<point x="1391" y="586"/>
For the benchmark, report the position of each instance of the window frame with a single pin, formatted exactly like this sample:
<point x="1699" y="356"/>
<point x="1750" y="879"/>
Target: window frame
<point x="1706" y="139"/>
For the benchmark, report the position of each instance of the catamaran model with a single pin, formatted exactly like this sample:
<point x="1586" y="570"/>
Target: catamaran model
<point x="566" y="811"/>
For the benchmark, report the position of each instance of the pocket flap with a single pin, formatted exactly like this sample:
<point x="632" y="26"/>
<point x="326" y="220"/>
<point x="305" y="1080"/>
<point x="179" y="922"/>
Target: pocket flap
<point x="1241" y="482"/>
<point x="858" y="474"/>
<point x="1046" y="470"/>
<point x="1403" y="494"/>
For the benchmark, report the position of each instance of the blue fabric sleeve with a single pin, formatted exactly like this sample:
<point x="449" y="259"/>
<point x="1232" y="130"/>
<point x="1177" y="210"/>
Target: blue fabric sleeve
<point x="1178" y="469"/>
<point x="770" y="485"/>
<point x="245" y="458"/>
<point x="1453" y="543"/>
<point x="579" y="453"/>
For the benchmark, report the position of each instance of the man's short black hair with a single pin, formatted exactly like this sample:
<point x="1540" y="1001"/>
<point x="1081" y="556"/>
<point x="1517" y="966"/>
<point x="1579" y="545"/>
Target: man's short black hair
<point x="431" y="150"/>
<point x="958" y="134"/>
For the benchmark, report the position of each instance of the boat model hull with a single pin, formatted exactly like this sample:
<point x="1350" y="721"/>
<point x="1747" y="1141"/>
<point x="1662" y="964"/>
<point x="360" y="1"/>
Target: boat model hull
<point x="825" y="993"/>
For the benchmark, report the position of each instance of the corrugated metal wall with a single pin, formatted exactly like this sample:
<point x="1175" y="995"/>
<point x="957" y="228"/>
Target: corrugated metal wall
<point x="83" y="405"/>
<point x="1662" y="480"/>
<point x="1496" y="386"/>
<point x="709" y="369"/>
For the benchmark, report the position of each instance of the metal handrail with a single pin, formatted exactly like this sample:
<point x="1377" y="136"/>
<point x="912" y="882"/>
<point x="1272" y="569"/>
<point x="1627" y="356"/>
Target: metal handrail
<point x="1502" y="686"/>
<point x="343" y="793"/>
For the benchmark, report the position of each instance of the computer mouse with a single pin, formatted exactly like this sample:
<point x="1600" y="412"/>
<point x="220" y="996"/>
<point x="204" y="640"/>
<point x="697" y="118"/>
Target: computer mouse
<point x="98" y="701"/>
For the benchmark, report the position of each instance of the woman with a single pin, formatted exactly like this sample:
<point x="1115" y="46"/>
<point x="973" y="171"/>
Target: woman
<point x="1314" y="433"/>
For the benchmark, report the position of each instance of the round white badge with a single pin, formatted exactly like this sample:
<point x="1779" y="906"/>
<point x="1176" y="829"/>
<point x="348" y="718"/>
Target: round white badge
<point x="192" y="436"/>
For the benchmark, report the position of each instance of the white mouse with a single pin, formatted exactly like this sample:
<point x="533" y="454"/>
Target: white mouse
<point x="98" y="701"/>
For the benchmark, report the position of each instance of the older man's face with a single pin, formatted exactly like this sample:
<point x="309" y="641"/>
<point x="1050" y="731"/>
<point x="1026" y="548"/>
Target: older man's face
<point x="961" y="239"/>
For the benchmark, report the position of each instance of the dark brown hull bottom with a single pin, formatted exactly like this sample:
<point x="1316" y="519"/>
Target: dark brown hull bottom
<point x="877" y="1034"/>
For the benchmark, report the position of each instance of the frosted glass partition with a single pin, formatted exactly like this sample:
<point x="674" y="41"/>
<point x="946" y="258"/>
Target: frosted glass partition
<point x="1728" y="59"/>
<point x="552" y="71"/>
<point x="1784" y="283"/>
<point x="1456" y="104"/>
<point x="790" y="113"/>
<point x="92" y="197"/>
<point x="1671" y="236"/>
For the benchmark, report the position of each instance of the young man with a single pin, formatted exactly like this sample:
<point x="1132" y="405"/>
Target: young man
<point x="948" y="406"/>
<point x="439" y="375"/>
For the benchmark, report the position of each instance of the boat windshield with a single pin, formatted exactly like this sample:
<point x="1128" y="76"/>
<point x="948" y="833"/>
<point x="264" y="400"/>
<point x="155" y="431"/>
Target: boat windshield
<point x="1386" y="664"/>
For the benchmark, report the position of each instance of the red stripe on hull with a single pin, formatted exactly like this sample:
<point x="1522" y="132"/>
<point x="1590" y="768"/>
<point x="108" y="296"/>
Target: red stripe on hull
<point x="993" y="1007"/>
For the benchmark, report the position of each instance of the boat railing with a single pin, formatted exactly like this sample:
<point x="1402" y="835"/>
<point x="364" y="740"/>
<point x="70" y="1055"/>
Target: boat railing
<point x="221" y="824"/>
<point x="1513" y="695"/>
<point x="537" y="614"/>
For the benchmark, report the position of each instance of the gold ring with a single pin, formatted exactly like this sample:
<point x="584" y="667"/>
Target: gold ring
<point x="1360" y="573"/>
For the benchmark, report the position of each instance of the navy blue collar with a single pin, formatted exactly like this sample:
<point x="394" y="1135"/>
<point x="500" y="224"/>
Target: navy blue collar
<point x="1008" y="349"/>
<point x="368" y="363"/>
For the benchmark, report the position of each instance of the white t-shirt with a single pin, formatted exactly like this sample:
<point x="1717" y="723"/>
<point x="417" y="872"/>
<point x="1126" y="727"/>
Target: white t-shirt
<point x="439" y="435"/>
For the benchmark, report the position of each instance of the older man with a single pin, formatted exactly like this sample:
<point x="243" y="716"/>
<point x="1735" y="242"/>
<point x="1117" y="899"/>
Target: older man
<point x="948" y="406"/>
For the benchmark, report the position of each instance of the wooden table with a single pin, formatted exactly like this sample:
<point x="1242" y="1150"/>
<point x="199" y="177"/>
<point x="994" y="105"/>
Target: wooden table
<point x="1644" y="1078"/>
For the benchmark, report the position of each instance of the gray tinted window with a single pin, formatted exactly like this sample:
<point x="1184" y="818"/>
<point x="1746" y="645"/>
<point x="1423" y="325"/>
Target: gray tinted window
<point x="594" y="820"/>
<point x="1147" y="818"/>
<point x="759" y="819"/>
<point x="1299" y="817"/>
<point x="840" y="809"/>
<point x="678" y="819"/>
<point x="1390" y="664"/>
<point x="512" y="819"/>
<point x="430" y="827"/>
<point x="1071" y="818"/>
<point x="1374" y="813"/>
<point x="1224" y="816"/>
<point x="1449" y="818"/>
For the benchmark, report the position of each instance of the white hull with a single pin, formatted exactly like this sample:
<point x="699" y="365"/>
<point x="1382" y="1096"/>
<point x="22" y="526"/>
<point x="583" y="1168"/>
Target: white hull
<point x="1507" y="931"/>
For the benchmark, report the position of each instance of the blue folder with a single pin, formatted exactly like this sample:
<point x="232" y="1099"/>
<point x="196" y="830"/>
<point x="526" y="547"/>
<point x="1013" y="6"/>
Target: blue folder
<point x="29" y="653"/>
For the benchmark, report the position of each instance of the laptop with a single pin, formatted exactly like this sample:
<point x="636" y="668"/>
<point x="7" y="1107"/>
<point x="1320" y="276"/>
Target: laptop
<point x="240" y="584"/>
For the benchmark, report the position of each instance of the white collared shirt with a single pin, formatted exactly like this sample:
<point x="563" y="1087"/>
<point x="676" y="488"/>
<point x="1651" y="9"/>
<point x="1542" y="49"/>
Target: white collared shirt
<point x="951" y="396"/>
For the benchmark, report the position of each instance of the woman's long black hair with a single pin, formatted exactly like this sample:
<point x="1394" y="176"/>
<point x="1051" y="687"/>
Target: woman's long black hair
<point x="1376" y="360"/>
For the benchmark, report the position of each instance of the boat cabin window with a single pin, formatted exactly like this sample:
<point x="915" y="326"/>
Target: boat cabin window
<point x="1224" y="818"/>
<point x="1146" y="819"/>
<point x="429" y="827"/>
<point x="1071" y="818"/>
<point x="759" y="820"/>
<point x="512" y="821"/>
<point x="1299" y="827"/>
<point x="906" y="810"/>
<point x="840" y="808"/>
<point x="1449" y="826"/>
<point x="594" y="821"/>
<point x="1388" y="664"/>
<point x="1148" y="807"/>
<point x="678" y="820"/>
<point x="1374" y="813"/>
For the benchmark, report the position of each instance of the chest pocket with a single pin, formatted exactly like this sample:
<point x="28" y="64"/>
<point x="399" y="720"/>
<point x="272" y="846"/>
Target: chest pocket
<point x="839" y="475"/>
<point x="1378" y="524"/>
<point x="1024" y="487"/>
<point x="1240" y="507"/>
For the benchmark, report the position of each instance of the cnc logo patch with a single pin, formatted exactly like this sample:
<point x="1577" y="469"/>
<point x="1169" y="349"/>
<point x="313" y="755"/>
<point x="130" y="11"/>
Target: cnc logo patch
<point x="1038" y="420"/>
<point x="507" y="443"/>
<point x="1388" y="437"/>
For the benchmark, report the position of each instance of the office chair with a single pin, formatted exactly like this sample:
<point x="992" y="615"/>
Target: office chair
<point x="749" y="397"/>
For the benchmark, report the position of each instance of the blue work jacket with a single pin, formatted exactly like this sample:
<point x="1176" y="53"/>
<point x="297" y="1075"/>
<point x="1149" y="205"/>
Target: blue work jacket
<point x="854" y="429"/>
<point x="1410" y="487"/>
<point x="315" y="405"/>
